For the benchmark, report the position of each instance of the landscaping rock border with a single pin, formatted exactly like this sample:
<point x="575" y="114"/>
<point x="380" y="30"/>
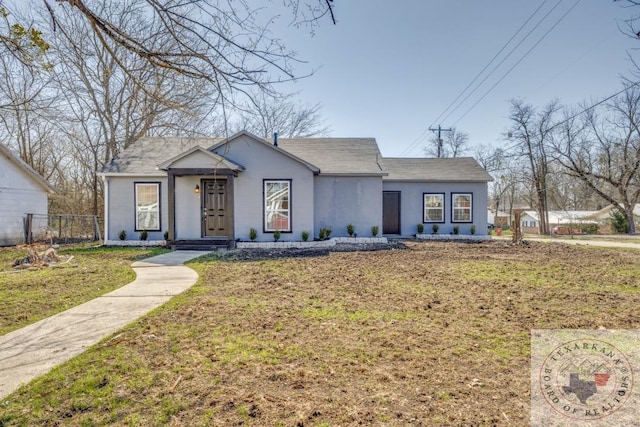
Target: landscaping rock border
<point x="313" y="245"/>
<point x="454" y="237"/>
<point x="135" y="243"/>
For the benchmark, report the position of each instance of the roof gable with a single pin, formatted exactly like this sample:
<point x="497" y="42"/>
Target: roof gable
<point x="28" y="170"/>
<point x="238" y="136"/>
<point x="198" y="157"/>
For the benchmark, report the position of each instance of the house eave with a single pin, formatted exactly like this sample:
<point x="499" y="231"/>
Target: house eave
<point x="438" y="181"/>
<point x="155" y="174"/>
<point x="354" y="174"/>
<point x="21" y="164"/>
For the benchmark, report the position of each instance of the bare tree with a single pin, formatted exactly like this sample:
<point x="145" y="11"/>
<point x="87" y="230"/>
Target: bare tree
<point x="267" y="114"/>
<point x="454" y="144"/>
<point x="26" y="109"/>
<point x="227" y="43"/>
<point x="532" y="133"/>
<point x="602" y="150"/>
<point x="107" y="108"/>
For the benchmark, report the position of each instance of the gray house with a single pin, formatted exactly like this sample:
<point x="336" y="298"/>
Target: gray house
<point x="218" y="189"/>
<point x="22" y="191"/>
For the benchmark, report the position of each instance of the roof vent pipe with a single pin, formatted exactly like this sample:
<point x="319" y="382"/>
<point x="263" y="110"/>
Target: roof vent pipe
<point x="275" y="139"/>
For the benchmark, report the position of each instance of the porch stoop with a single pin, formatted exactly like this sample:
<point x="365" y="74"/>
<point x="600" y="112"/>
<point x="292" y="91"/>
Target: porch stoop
<point x="200" y="245"/>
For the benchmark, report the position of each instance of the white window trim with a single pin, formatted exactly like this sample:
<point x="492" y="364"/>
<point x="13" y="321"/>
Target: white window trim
<point x="137" y="185"/>
<point x="267" y="210"/>
<point x="424" y="208"/>
<point x="454" y="208"/>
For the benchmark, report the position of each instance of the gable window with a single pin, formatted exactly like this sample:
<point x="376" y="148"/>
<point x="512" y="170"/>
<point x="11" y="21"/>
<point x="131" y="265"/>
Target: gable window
<point x="277" y="205"/>
<point x="433" y="207"/>
<point x="147" y="206"/>
<point x="461" y="207"/>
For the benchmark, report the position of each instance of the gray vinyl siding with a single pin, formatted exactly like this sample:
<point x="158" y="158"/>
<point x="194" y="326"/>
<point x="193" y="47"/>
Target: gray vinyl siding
<point x="19" y="195"/>
<point x="260" y="163"/>
<point x="343" y="200"/>
<point x="411" y="199"/>
<point x="122" y="209"/>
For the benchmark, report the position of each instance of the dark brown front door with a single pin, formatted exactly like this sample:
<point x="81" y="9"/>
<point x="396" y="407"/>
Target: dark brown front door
<point x="216" y="208"/>
<point x="390" y="212"/>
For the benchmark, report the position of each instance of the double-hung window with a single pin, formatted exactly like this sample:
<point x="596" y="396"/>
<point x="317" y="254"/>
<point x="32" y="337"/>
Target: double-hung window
<point x="461" y="207"/>
<point x="277" y="205"/>
<point x="433" y="207"/>
<point x="147" y="196"/>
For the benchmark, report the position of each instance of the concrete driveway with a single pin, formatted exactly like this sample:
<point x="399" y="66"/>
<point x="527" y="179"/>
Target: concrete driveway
<point x="35" y="349"/>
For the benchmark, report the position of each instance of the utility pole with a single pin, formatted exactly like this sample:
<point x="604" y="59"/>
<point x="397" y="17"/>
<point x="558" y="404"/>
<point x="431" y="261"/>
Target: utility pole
<point x="440" y="130"/>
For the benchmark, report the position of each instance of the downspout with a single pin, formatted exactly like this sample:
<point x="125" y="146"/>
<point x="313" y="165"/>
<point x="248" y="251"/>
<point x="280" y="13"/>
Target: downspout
<point x="106" y="208"/>
<point x="275" y="139"/>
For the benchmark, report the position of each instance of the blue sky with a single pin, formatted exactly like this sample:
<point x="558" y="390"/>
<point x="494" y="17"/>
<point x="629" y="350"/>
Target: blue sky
<point x="389" y="69"/>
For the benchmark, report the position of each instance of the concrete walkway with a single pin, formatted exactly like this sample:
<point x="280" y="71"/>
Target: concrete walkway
<point x="35" y="349"/>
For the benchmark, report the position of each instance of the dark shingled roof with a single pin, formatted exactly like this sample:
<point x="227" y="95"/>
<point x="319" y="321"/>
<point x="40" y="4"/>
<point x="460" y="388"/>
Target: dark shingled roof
<point x="144" y="156"/>
<point x="456" y="169"/>
<point x="344" y="156"/>
<point x="336" y="155"/>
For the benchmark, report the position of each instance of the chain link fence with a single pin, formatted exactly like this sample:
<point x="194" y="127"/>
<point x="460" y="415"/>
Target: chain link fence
<point x="62" y="229"/>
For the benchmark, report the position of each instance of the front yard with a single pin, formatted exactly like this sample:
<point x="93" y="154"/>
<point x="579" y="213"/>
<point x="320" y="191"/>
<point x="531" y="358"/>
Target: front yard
<point x="437" y="334"/>
<point x="28" y="296"/>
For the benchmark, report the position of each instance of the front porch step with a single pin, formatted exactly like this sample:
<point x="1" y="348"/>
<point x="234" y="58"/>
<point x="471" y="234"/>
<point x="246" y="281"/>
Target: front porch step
<point x="199" y="245"/>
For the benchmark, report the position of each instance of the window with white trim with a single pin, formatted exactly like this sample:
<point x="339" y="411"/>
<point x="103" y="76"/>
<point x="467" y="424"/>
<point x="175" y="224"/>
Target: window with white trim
<point x="147" y="196"/>
<point x="461" y="207"/>
<point x="277" y="205"/>
<point x="433" y="207"/>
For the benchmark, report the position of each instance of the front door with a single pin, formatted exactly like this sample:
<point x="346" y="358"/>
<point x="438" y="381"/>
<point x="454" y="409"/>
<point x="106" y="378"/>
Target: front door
<point x="216" y="208"/>
<point x="390" y="212"/>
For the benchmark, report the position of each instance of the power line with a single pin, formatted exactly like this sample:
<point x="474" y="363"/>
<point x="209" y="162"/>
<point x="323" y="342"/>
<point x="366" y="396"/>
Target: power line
<point x="493" y="59"/>
<point x="422" y="136"/>
<point x="439" y="129"/>
<point x="507" y="57"/>
<point x="518" y="62"/>
<point x="584" y="110"/>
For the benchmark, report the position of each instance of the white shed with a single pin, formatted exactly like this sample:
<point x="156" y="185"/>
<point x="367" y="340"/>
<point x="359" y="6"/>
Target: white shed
<point x="22" y="191"/>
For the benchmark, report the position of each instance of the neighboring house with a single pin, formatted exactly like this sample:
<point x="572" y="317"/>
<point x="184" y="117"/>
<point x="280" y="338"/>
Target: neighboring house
<point x="498" y="218"/>
<point x="22" y="192"/>
<point x="207" y="189"/>
<point x="530" y="220"/>
<point x="502" y="219"/>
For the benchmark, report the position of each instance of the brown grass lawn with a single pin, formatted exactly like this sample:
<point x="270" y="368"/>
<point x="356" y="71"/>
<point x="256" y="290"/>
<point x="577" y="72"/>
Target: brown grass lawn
<point x="434" y="335"/>
<point x="28" y="296"/>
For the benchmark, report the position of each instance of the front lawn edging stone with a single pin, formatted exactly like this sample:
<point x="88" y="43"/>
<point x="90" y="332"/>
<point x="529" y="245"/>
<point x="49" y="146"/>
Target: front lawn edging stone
<point x="454" y="237"/>
<point x="135" y="243"/>
<point x="310" y="245"/>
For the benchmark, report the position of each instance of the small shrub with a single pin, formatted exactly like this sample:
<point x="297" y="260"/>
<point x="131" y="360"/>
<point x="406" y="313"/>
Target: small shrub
<point x="305" y="236"/>
<point x="122" y="235"/>
<point x="435" y="228"/>
<point x="253" y="234"/>
<point x="589" y="228"/>
<point x="166" y="235"/>
<point x="473" y="229"/>
<point x="144" y="234"/>
<point x="324" y="233"/>
<point x="420" y="228"/>
<point x="276" y="235"/>
<point x="350" y="229"/>
<point x="374" y="230"/>
<point x="456" y="229"/>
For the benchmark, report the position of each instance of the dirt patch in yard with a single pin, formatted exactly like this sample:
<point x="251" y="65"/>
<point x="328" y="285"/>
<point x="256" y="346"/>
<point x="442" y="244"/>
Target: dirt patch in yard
<point x="434" y="334"/>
